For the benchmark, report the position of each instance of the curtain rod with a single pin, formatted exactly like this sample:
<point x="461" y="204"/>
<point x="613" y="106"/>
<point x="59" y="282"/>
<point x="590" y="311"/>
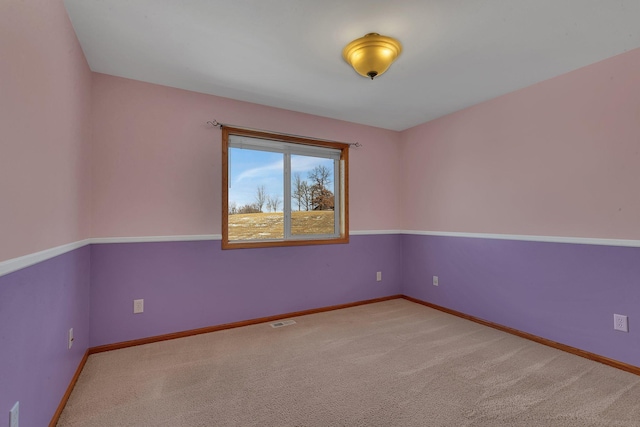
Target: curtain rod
<point x="219" y="125"/>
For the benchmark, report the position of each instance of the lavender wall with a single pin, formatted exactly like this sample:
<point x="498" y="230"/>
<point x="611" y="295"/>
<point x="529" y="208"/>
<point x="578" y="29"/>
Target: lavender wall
<point x="187" y="285"/>
<point x="564" y="292"/>
<point x="38" y="305"/>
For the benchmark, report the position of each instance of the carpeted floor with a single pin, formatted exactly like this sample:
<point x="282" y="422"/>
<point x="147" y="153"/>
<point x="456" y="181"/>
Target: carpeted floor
<point x="393" y="363"/>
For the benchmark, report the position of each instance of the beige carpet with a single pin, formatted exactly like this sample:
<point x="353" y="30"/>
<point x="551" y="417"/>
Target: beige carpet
<point x="393" y="363"/>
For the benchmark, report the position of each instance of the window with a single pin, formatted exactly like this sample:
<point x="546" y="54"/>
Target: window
<point x="281" y="190"/>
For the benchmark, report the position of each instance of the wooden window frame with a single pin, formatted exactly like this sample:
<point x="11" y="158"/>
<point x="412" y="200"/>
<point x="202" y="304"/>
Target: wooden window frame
<point x="343" y="236"/>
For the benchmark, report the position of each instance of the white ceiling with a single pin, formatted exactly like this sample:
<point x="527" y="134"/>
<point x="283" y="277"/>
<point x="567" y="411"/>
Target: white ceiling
<point x="288" y="53"/>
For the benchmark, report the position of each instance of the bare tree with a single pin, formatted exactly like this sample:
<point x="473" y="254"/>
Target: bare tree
<point x="301" y="192"/>
<point x="261" y="197"/>
<point x="273" y="203"/>
<point x="233" y="208"/>
<point x="319" y="175"/>
<point x="318" y="191"/>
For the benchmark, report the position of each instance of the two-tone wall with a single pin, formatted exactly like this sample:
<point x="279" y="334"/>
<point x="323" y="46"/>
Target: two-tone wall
<point x="524" y="206"/>
<point x="504" y="201"/>
<point x="45" y="124"/>
<point x="111" y="191"/>
<point x="157" y="173"/>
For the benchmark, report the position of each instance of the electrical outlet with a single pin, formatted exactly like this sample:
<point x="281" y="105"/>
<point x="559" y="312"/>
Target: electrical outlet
<point x="620" y="323"/>
<point x="435" y="280"/>
<point x="379" y="276"/>
<point x="138" y="306"/>
<point x="70" y="338"/>
<point x="13" y="415"/>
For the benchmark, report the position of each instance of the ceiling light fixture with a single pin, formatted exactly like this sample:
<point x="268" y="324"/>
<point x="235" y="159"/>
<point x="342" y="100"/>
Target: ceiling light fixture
<point x="372" y="54"/>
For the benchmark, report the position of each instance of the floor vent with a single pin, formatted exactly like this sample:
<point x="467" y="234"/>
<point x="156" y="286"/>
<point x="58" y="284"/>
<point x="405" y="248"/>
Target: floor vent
<point x="282" y="323"/>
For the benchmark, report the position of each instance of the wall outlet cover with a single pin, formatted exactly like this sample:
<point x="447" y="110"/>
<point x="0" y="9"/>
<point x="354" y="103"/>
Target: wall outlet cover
<point x="14" y="415"/>
<point x="620" y="323"/>
<point x="138" y="306"/>
<point x="379" y="276"/>
<point x="435" y="280"/>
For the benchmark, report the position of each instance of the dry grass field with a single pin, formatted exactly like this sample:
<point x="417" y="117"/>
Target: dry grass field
<point x="271" y="225"/>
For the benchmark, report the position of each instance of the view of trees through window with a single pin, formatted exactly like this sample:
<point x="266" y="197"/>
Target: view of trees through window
<point x="256" y="195"/>
<point x="314" y="199"/>
<point x="281" y="190"/>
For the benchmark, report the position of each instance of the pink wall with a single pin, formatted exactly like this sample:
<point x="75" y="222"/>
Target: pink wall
<point x="45" y="87"/>
<point x="558" y="158"/>
<point x="156" y="164"/>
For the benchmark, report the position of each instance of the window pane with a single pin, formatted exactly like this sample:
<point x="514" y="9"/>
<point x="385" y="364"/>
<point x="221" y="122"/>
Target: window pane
<point x="283" y="190"/>
<point x="256" y="181"/>
<point x="312" y="196"/>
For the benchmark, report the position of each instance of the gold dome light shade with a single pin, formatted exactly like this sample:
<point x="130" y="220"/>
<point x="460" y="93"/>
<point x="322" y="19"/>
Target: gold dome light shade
<point x="372" y="54"/>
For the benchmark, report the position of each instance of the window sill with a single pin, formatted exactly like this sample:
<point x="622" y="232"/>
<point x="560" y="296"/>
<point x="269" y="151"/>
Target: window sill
<point x="281" y="243"/>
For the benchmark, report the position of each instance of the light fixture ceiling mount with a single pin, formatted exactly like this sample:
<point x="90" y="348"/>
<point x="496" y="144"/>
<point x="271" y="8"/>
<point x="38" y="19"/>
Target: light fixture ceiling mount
<point x="372" y="54"/>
